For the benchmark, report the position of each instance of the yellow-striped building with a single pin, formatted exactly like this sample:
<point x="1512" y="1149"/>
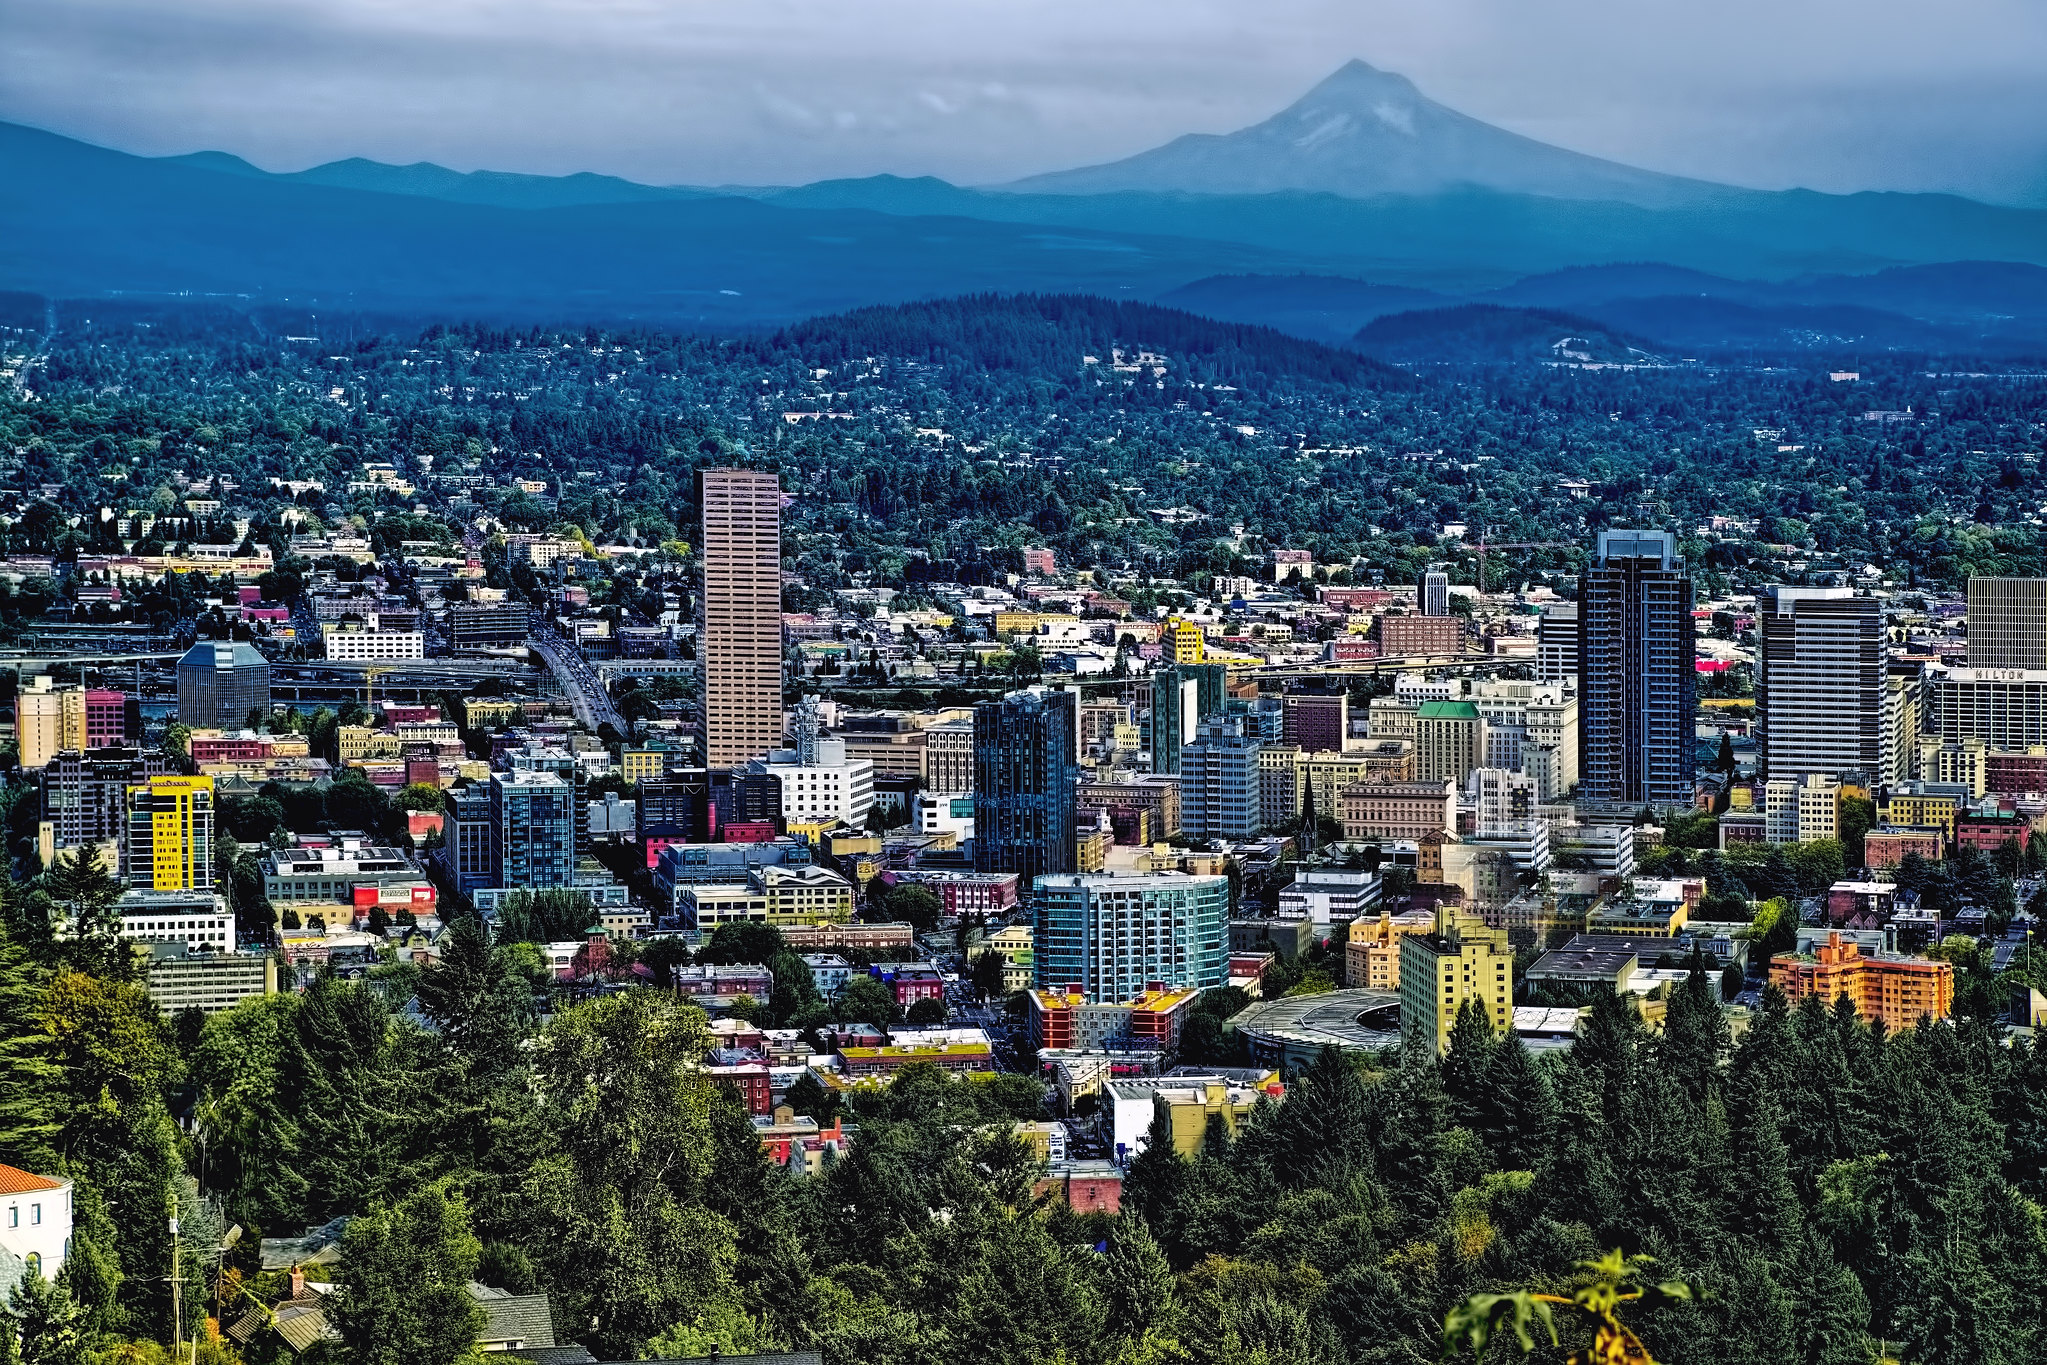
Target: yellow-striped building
<point x="170" y="834"/>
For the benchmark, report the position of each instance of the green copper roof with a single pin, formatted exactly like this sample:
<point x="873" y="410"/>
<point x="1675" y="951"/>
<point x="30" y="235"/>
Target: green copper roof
<point x="1447" y="710"/>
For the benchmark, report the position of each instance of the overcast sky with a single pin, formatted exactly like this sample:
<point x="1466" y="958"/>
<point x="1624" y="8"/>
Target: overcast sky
<point x="1878" y="94"/>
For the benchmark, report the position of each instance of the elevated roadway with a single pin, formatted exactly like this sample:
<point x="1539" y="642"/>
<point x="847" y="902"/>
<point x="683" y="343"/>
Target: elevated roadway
<point x="1416" y="663"/>
<point x="23" y="662"/>
<point x="607" y="669"/>
<point x="439" y="668"/>
<point x="586" y="693"/>
<point x="407" y="668"/>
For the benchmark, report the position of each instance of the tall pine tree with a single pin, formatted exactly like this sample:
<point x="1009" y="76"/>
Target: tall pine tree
<point x="30" y="1082"/>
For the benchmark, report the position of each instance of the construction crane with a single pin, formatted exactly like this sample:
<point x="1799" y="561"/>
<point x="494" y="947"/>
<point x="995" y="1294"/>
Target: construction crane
<point x="1485" y="546"/>
<point x="369" y="685"/>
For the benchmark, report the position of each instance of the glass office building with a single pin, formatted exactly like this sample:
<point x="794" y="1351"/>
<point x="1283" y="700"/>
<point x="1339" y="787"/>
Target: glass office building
<point x="220" y="682"/>
<point x="1638" y="680"/>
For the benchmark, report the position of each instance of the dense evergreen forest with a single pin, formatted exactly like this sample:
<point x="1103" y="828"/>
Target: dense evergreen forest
<point x="1830" y="1193"/>
<point x="967" y="428"/>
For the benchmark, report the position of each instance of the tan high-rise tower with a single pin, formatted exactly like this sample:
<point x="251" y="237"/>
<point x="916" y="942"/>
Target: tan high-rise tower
<point x="739" y="640"/>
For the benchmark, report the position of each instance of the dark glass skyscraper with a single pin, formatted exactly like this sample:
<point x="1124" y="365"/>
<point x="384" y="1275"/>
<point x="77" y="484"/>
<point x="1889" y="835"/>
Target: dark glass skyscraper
<point x="744" y="798"/>
<point x="1638" y="684"/>
<point x="1025" y="774"/>
<point x="676" y="809"/>
<point x="85" y="794"/>
<point x="1183" y="696"/>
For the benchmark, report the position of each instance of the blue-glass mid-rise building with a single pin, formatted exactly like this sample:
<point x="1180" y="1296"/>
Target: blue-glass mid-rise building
<point x="1118" y="936"/>
<point x="1026" y="770"/>
<point x="1264" y="718"/>
<point x="1638" y="680"/>
<point x="1219" y="781"/>
<point x="1432" y="592"/>
<point x="532" y="830"/>
<point x="542" y="758"/>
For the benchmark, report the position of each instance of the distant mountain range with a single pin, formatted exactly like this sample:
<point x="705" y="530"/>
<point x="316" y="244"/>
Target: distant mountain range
<point x="1362" y="199"/>
<point x="425" y="180"/>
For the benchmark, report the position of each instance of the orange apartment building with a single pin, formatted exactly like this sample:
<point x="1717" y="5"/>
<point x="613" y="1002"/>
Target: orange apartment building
<point x="1066" y="1019"/>
<point x="1897" y="990"/>
<point x="1156" y="1015"/>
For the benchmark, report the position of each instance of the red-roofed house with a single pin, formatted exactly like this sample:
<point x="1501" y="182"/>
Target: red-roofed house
<point x="35" y="1223"/>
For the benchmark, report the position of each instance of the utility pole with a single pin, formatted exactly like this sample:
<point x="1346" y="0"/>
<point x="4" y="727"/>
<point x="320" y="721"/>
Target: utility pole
<point x="234" y="1234"/>
<point x="177" y="1299"/>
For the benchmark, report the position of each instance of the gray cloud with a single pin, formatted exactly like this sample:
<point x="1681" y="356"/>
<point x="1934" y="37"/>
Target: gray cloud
<point x="1894" y="94"/>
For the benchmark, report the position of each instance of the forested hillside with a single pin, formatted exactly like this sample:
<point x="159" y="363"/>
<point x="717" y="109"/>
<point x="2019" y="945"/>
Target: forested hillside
<point x="1478" y="333"/>
<point x="1042" y="335"/>
<point x="967" y="429"/>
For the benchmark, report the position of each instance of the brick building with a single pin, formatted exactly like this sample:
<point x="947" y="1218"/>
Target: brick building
<point x="1990" y="830"/>
<point x="1316" y="722"/>
<point x="872" y="938"/>
<point x="748" y="1077"/>
<point x="911" y="981"/>
<point x="1413" y="637"/>
<point x="1145" y="806"/>
<point x="1887" y="846"/>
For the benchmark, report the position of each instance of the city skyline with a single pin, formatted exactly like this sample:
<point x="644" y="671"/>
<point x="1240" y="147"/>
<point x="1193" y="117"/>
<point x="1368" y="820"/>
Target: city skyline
<point x="629" y="773"/>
